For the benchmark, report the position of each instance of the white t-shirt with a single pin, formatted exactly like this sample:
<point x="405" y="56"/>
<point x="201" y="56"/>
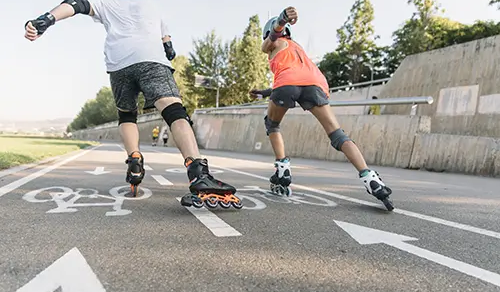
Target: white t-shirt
<point x="135" y="29"/>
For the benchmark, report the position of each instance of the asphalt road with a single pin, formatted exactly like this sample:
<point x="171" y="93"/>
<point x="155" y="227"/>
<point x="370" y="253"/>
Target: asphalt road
<point x="65" y="228"/>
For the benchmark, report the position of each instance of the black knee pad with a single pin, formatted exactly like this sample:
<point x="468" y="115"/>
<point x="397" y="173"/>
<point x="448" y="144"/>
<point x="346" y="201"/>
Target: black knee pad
<point x="271" y="126"/>
<point x="338" y="138"/>
<point x="174" y="112"/>
<point x="127" y="117"/>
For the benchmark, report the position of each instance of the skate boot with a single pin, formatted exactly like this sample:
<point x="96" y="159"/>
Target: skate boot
<point x="375" y="187"/>
<point x="282" y="178"/>
<point x="135" y="171"/>
<point x="204" y="188"/>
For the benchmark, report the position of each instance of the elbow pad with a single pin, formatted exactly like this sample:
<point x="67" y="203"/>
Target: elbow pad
<point x="80" y="6"/>
<point x="169" y="50"/>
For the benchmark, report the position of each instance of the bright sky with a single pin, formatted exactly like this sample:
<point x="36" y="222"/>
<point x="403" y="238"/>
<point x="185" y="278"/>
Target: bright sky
<point x="54" y="76"/>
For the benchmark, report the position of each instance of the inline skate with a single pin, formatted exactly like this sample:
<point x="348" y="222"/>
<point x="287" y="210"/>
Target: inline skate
<point x="205" y="189"/>
<point x="375" y="187"/>
<point x="135" y="171"/>
<point x="282" y="178"/>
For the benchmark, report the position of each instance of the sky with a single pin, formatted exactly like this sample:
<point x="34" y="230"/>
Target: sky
<point x="54" y="76"/>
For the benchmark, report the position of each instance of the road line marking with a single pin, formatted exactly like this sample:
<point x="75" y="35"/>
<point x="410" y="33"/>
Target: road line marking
<point x="396" y="210"/>
<point x="364" y="235"/>
<point x="162" y="181"/>
<point x="22" y="181"/>
<point x="216" y="225"/>
<point x="71" y="272"/>
<point x="147" y="167"/>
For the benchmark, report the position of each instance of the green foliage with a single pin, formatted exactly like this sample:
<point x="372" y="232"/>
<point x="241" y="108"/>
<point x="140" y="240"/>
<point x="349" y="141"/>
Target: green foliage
<point x="209" y="58"/>
<point x="425" y="30"/>
<point x="493" y="2"/>
<point x="356" y="40"/>
<point x="96" y="111"/>
<point x="235" y="67"/>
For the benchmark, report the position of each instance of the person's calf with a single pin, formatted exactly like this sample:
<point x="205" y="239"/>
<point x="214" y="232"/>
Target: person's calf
<point x="341" y="142"/>
<point x="177" y="119"/>
<point x="129" y="133"/>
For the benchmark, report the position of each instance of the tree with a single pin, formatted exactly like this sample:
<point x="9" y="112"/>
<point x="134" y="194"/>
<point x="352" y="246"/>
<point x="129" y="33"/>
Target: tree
<point x="189" y="99"/>
<point x="493" y="2"/>
<point x="333" y="66"/>
<point x="96" y="111"/>
<point x="247" y="65"/>
<point x="357" y="40"/>
<point x="421" y="22"/>
<point x="209" y="58"/>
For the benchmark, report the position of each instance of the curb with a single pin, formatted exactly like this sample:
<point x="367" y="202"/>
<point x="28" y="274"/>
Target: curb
<point x="16" y="169"/>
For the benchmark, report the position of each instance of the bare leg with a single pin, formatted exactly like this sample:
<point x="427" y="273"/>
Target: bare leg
<point x="327" y="119"/>
<point x="276" y="113"/>
<point x="181" y="130"/>
<point x="129" y="134"/>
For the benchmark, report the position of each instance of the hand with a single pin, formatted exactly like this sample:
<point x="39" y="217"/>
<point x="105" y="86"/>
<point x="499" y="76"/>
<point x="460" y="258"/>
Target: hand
<point x="254" y="93"/>
<point x="31" y="32"/>
<point x="289" y="15"/>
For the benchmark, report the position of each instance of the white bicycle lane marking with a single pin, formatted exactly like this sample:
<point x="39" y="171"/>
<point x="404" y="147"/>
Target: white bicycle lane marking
<point x="66" y="199"/>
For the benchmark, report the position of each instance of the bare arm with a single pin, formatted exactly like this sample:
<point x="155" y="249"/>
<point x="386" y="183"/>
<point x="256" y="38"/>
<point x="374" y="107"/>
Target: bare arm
<point x="36" y="27"/>
<point x="64" y="11"/>
<point x="268" y="45"/>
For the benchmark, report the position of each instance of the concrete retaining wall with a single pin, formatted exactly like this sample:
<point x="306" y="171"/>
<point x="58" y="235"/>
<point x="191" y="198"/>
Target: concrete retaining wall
<point x="463" y="154"/>
<point x="384" y="140"/>
<point x="387" y="140"/>
<point x="462" y="79"/>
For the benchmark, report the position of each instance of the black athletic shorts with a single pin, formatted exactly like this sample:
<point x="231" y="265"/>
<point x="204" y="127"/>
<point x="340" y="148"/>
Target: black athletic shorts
<point x="306" y="96"/>
<point x="154" y="80"/>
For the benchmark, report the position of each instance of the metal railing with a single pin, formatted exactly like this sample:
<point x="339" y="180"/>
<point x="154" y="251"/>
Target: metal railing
<point x="372" y="82"/>
<point x="367" y="102"/>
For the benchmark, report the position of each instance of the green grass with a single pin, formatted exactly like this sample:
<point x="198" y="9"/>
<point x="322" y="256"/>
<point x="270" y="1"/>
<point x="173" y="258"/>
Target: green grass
<point x="17" y="150"/>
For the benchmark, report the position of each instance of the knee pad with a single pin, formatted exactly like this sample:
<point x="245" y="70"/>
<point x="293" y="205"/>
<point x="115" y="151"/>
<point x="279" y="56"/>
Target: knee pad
<point x="127" y="117"/>
<point x="271" y="126"/>
<point x="338" y="138"/>
<point x="174" y="112"/>
<point x="80" y="6"/>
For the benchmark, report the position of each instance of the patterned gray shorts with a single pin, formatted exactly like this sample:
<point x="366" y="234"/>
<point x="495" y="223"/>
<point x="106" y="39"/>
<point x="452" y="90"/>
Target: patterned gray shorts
<point x="154" y="80"/>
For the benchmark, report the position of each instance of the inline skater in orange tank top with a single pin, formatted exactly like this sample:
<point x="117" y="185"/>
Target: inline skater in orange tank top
<point x="298" y="80"/>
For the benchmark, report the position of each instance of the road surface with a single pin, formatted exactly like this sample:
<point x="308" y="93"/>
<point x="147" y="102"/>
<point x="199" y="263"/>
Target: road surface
<point x="66" y="226"/>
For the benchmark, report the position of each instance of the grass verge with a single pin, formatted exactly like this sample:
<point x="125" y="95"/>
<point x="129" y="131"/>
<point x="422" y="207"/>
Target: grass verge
<point x="18" y="150"/>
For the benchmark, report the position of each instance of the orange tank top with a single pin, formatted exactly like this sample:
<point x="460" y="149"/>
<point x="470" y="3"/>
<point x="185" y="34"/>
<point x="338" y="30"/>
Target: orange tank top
<point x="292" y="66"/>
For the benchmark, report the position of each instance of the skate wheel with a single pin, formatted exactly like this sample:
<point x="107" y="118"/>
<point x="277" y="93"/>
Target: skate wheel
<point x="288" y="191"/>
<point x="197" y="203"/>
<point x="211" y="202"/>
<point x="388" y="204"/>
<point x="237" y="205"/>
<point x="224" y="205"/>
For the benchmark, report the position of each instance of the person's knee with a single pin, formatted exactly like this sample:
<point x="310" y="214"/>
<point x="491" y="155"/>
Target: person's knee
<point x="338" y="138"/>
<point x="164" y="102"/>
<point x="271" y="126"/>
<point x="127" y="117"/>
<point x="173" y="112"/>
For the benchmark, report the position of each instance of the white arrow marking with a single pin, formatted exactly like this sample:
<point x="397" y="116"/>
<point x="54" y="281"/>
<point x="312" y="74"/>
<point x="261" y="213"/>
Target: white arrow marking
<point x="365" y="235"/>
<point x="71" y="272"/>
<point x="98" y="171"/>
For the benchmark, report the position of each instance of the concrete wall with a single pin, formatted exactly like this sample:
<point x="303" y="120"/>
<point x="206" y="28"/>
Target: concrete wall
<point x="387" y="140"/>
<point x="464" y="82"/>
<point x="463" y="154"/>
